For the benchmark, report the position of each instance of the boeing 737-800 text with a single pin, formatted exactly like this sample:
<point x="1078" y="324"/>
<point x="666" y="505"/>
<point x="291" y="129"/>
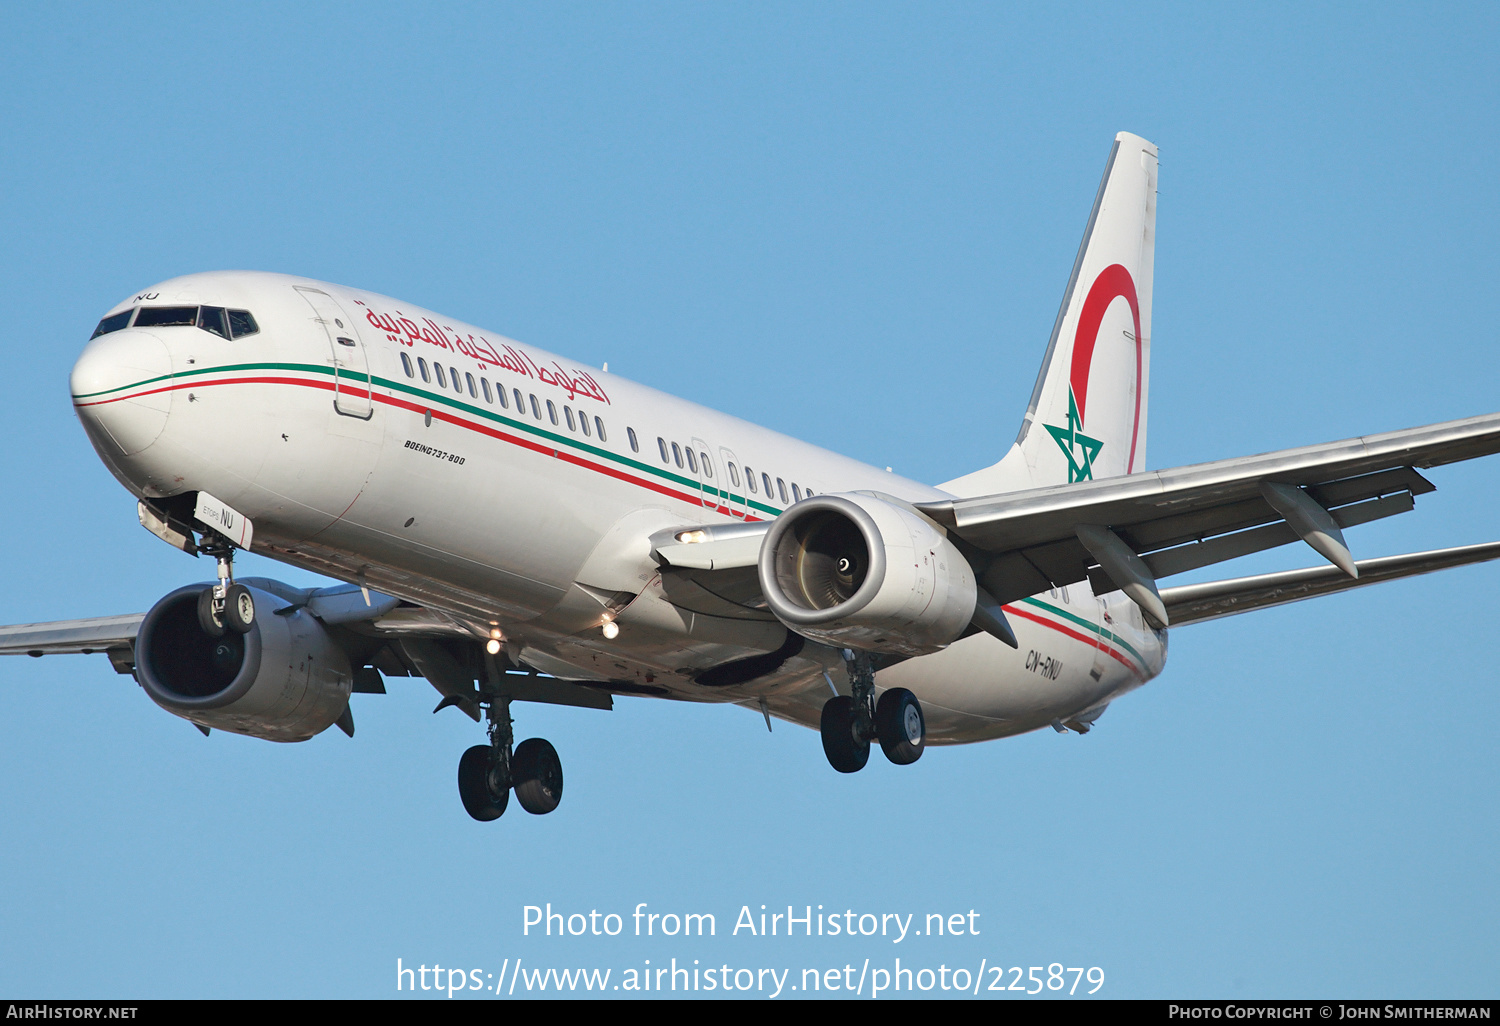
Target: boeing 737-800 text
<point x="516" y="527"/>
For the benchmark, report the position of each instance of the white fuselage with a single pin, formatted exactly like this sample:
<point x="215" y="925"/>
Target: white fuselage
<point x="530" y="514"/>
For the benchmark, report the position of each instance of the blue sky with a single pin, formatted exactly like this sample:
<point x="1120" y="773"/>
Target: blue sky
<point x="853" y="223"/>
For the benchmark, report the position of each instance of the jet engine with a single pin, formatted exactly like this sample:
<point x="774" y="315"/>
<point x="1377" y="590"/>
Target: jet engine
<point x="861" y="572"/>
<point x="284" y="680"/>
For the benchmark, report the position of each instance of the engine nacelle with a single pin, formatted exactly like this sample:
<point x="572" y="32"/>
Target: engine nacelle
<point x="855" y="571"/>
<point x="285" y="680"/>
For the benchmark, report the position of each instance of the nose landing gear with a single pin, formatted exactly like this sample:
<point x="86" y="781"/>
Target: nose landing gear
<point x="488" y="773"/>
<point x="850" y="722"/>
<point x="226" y="605"/>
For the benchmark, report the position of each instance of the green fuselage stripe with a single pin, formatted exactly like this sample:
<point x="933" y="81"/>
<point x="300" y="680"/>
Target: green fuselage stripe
<point x="724" y="497"/>
<point x="1082" y="622"/>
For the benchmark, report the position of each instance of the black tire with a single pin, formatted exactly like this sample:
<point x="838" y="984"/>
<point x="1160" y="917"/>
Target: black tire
<point x="239" y="609"/>
<point x="846" y="753"/>
<point x="900" y="725"/>
<point x="538" y="775"/>
<point x="212" y="625"/>
<point x="480" y="801"/>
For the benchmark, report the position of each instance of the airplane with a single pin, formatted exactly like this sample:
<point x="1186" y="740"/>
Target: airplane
<point x="514" y="526"/>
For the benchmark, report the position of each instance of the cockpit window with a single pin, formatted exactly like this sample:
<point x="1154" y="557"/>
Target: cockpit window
<point x="112" y="323"/>
<point x="166" y="316"/>
<point x="211" y="318"/>
<point x="242" y="323"/>
<point x="214" y="319"/>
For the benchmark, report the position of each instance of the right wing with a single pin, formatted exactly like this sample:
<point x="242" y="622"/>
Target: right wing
<point x="381" y="634"/>
<point x="112" y="635"/>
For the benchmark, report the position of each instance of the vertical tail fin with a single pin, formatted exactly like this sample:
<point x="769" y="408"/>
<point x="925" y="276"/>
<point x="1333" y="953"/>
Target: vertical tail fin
<point x="1087" y="416"/>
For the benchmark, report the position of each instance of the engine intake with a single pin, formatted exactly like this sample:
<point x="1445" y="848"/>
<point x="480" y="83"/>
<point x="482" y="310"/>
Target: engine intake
<point x="285" y="680"/>
<point x="863" y="572"/>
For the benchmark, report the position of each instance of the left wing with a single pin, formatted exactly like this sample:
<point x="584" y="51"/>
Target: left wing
<point x="1125" y="532"/>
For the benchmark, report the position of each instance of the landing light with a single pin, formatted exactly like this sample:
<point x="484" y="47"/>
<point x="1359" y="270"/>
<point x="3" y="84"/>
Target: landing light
<point x="611" y="630"/>
<point x="692" y="537"/>
<point x="492" y="647"/>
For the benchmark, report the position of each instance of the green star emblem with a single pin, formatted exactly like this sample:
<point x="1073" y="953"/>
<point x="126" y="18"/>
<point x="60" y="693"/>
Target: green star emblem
<point x="1071" y="439"/>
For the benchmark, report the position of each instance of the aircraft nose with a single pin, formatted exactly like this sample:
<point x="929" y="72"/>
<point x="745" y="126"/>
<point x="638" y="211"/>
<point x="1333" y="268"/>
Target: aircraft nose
<point x="120" y="389"/>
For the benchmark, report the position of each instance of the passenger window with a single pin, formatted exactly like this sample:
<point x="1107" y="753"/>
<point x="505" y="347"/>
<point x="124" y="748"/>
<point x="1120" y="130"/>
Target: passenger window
<point x="765" y="479"/>
<point x="796" y="492"/>
<point x="485" y="383"/>
<point x="781" y="487"/>
<point x="568" y="412"/>
<point x="708" y="468"/>
<point x="599" y="429"/>
<point x="422" y="366"/>
<point x="113" y="323"/>
<point x="166" y="316"/>
<point x="211" y="319"/>
<point x="692" y="463"/>
<point x="551" y="412"/>
<point x="242" y="323"/>
<point x="750" y="477"/>
<point x="520" y="403"/>
<point x="500" y="394"/>
<point x="583" y="422"/>
<point x="634" y="445"/>
<point x="458" y="385"/>
<point x="536" y="410"/>
<point x="473" y="392"/>
<point x="677" y="453"/>
<point x="734" y="475"/>
<point x="406" y="364"/>
<point x="437" y="369"/>
<point x="662" y="445"/>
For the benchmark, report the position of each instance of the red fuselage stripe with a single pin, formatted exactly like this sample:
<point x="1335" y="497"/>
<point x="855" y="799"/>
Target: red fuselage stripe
<point x="1091" y="642"/>
<point x="438" y="414"/>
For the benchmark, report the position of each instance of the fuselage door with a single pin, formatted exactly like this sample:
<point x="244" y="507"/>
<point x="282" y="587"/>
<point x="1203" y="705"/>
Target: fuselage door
<point x="1101" y="647"/>
<point x="351" y="365"/>
<point x="731" y="484"/>
<point x="708" y="478"/>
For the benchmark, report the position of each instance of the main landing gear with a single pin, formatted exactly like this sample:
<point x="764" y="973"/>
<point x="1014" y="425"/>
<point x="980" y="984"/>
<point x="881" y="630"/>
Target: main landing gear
<point x="488" y="773"/>
<point x="226" y="606"/>
<point x="851" y="722"/>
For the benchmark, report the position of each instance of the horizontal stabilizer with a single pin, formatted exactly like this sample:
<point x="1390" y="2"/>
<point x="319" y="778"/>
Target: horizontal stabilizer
<point x="1193" y="603"/>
